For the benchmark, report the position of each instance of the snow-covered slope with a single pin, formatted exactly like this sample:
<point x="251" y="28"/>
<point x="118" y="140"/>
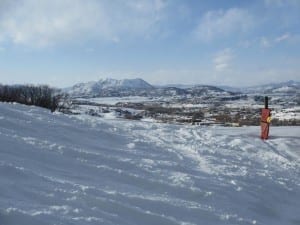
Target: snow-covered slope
<point x="103" y="86"/>
<point x="57" y="169"/>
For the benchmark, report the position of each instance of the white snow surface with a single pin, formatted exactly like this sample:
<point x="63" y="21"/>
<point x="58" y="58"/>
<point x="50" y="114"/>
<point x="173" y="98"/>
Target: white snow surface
<point x="115" y="100"/>
<point x="58" y="169"/>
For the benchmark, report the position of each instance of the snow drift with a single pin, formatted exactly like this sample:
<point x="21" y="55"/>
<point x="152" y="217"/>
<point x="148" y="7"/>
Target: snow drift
<point x="58" y="169"/>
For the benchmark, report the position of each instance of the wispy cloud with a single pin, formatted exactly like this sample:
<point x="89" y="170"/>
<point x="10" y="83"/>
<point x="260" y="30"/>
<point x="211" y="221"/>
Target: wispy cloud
<point x="272" y="41"/>
<point x="283" y="37"/>
<point x="220" y="23"/>
<point x="223" y="59"/>
<point x="49" y="22"/>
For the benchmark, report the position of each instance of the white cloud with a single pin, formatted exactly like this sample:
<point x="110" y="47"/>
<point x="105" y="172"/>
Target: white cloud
<point x="50" y="22"/>
<point x="223" y="59"/>
<point x="270" y="42"/>
<point x="222" y="23"/>
<point x="283" y="37"/>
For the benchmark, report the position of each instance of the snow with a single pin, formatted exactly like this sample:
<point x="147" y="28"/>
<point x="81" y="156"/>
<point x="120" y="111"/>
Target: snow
<point x="292" y="113"/>
<point x="111" y="115"/>
<point x="115" y="100"/>
<point x="58" y="169"/>
<point x="284" y="89"/>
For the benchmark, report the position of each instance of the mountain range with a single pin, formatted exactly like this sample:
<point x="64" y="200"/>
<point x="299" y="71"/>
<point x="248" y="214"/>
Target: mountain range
<point x="138" y="87"/>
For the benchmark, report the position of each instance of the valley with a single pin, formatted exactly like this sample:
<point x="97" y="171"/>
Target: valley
<point x="196" y="105"/>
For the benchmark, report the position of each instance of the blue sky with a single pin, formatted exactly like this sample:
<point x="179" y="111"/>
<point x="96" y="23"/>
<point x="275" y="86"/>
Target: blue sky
<point x="232" y="42"/>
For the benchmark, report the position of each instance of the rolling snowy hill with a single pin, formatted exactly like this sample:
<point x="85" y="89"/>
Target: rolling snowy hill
<point x="58" y="169"/>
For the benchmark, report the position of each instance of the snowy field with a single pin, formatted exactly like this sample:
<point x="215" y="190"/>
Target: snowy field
<point x="138" y="99"/>
<point x="58" y="169"/>
<point x="115" y="100"/>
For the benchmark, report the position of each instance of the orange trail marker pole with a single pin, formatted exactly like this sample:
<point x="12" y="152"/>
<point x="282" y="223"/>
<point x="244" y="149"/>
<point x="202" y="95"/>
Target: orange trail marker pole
<point x="265" y="120"/>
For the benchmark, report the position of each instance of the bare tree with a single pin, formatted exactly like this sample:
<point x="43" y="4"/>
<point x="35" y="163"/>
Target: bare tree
<point x="43" y="96"/>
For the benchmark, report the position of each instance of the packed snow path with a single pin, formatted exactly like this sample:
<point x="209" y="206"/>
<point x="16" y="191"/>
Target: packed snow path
<point x="58" y="169"/>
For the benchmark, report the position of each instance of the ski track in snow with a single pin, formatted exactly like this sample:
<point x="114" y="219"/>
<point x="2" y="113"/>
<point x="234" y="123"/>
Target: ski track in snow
<point x="58" y="169"/>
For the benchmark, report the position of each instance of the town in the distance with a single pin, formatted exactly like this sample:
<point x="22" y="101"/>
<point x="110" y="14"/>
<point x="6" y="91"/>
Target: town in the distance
<point x="136" y="99"/>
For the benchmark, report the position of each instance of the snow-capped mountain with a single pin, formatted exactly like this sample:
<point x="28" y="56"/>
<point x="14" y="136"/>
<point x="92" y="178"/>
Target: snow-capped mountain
<point x="108" y="87"/>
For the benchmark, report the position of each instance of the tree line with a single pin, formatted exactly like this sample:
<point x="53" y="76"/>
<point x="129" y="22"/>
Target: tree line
<point x="42" y="95"/>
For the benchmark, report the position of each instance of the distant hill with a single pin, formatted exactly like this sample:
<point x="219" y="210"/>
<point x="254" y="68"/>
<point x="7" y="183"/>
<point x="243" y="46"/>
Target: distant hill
<point x="291" y="87"/>
<point x="207" y="90"/>
<point x="108" y="87"/>
<point x="288" y="87"/>
<point x="139" y="87"/>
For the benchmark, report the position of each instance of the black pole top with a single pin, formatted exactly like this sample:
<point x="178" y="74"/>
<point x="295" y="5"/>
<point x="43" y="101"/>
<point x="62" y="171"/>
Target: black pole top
<point x="266" y="102"/>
